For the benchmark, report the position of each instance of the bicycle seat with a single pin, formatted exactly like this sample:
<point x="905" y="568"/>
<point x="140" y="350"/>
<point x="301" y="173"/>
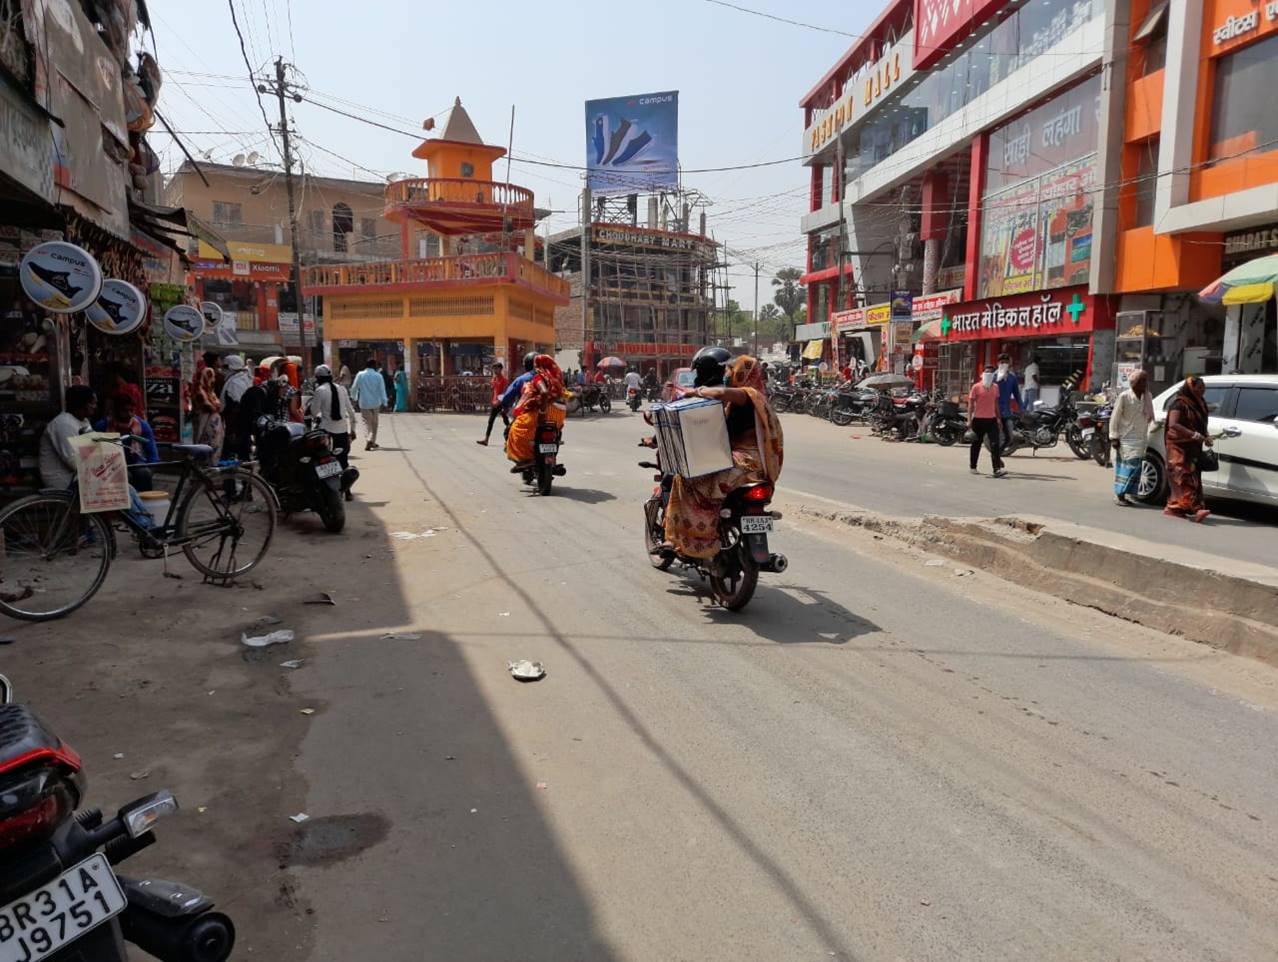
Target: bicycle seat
<point x="199" y="451"/>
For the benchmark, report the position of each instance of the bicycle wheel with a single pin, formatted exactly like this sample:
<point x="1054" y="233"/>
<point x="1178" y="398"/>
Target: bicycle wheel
<point x="228" y="536"/>
<point x="52" y="558"/>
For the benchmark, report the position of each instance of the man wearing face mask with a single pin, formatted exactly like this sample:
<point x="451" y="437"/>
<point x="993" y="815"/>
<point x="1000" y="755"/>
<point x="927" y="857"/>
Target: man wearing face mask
<point x="1009" y="396"/>
<point x="982" y="420"/>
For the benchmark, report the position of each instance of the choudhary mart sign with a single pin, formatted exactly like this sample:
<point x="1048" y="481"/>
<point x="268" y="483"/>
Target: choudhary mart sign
<point x="1045" y="314"/>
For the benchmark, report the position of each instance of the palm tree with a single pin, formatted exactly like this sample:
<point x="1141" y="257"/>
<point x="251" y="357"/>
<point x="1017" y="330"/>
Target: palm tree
<point x="790" y="295"/>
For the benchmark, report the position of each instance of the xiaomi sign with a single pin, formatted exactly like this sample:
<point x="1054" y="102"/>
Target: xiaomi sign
<point x="941" y="24"/>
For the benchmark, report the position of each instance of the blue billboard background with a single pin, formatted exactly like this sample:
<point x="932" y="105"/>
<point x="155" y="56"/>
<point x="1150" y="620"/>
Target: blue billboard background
<point x="632" y="143"/>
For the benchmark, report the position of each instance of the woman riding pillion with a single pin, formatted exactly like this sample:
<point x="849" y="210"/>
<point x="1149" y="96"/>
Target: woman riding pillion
<point x="542" y="400"/>
<point x="754" y="433"/>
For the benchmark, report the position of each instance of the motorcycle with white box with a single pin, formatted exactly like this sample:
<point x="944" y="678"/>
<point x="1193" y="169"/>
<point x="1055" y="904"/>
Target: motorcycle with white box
<point x="692" y="442"/>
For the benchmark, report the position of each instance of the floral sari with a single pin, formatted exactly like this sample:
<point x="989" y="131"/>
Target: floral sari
<point x="542" y="399"/>
<point x="692" y="516"/>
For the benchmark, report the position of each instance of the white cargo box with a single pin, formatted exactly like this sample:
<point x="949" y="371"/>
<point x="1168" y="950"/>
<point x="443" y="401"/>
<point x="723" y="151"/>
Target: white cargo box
<point x="692" y="437"/>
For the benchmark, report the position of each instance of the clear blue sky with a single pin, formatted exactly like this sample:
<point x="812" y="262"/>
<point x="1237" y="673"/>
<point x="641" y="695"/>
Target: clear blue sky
<point x="740" y="78"/>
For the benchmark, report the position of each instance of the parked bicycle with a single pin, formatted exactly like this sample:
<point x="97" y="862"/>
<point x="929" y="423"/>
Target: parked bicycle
<point x="55" y="558"/>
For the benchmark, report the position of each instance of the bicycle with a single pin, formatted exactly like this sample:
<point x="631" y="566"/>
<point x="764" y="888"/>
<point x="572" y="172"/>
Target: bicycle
<point x="53" y="558"/>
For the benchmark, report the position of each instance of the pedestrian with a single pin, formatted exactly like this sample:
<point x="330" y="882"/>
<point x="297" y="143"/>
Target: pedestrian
<point x="236" y="443"/>
<point x="1031" y="386"/>
<point x="1009" y="397"/>
<point x="344" y="377"/>
<point x="983" y="421"/>
<point x="1185" y="439"/>
<point x="499" y="383"/>
<point x="1129" y="434"/>
<point x="369" y="392"/>
<point x="401" y="390"/>
<point x="331" y="404"/>
<point x="389" y="381"/>
<point x="209" y="427"/>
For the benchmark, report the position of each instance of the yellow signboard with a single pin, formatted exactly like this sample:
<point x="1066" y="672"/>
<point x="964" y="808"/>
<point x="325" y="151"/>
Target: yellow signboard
<point x="243" y="251"/>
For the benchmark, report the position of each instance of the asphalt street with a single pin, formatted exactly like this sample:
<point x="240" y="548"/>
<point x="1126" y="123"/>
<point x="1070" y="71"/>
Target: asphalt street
<point x="880" y="759"/>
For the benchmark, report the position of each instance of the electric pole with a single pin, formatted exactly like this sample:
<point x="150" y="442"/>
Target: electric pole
<point x="756" y="308"/>
<point x="281" y="90"/>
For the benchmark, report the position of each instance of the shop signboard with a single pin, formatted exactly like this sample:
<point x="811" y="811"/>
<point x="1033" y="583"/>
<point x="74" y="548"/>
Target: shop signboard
<point x="902" y="304"/>
<point x="624" y="236"/>
<point x="860" y="96"/>
<point x="860" y="318"/>
<point x="120" y="308"/>
<point x="1252" y="243"/>
<point x="930" y="307"/>
<point x="60" y="277"/>
<point x="213" y="314"/>
<point x="183" y="323"/>
<point x="632" y="143"/>
<point x="1036" y="314"/>
<point x="288" y="325"/>
<point x="26" y="143"/>
<point x="812" y="332"/>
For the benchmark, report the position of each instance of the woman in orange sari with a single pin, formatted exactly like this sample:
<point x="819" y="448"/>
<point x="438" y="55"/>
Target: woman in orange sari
<point x="542" y="399"/>
<point x="692" y="516"/>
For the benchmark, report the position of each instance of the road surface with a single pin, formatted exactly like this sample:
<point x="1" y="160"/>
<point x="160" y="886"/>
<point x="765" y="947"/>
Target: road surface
<point x="880" y="759"/>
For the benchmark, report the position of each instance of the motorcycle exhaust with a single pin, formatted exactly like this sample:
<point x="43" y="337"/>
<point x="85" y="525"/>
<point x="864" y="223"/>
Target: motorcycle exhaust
<point x="776" y="564"/>
<point x="208" y="937"/>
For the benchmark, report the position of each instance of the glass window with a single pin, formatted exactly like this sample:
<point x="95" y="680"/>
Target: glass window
<point x="1146" y="182"/>
<point x="1213" y="394"/>
<point x="1257" y="404"/>
<point x="225" y="212"/>
<point x="467" y="170"/>
<point x="1243" y="116"/>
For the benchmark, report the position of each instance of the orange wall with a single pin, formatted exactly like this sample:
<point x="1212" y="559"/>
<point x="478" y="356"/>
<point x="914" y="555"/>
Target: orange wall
<point x="1145" y="106"/>
<point x="1153" y="262"/>
<point x="447" y="162"/>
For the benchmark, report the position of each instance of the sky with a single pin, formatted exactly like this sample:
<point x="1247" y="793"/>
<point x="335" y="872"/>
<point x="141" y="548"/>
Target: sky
<point x="740" y="78"/>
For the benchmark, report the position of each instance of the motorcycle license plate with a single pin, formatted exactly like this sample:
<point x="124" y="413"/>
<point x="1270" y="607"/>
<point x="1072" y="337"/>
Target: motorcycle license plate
<point x="329" y="470"/>
<point x="756" y="524"/>
<point x="548" y="448"/>
<point x="41" y="922"/>
<point x="1088" y="432"/>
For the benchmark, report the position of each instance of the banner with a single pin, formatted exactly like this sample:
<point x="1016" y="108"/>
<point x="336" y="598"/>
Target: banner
<point x="632" y="143"/>
<point x="101" y="473"/>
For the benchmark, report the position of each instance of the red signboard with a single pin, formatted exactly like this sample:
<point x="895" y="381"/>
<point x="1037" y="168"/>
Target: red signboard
<point x="625" y="349"/>
<point x="1055" y="313"/>
<point x="940" y="24"/>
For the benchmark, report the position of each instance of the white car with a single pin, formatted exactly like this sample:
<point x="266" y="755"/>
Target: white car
<point x="1244" y="419"/>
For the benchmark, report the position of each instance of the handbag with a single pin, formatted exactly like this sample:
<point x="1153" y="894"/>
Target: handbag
<point x="1208" y="460"/>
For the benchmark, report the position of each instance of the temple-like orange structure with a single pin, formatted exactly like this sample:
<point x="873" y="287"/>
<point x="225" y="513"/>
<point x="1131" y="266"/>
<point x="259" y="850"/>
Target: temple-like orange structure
<point x="482" y="297"/>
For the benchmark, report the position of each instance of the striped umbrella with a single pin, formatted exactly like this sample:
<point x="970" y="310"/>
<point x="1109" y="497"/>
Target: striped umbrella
<point x="1250" y="283"/>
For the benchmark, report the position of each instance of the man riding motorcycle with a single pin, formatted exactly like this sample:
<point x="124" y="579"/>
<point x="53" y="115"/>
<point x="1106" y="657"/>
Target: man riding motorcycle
<point x="540" y="400"/>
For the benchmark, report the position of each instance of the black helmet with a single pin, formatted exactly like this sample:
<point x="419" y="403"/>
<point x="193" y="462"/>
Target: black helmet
<point x="528" y="360"/>
<point x="710" y="363"/>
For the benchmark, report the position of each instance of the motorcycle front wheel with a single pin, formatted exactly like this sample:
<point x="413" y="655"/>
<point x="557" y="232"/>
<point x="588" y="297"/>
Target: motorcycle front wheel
<point x="841" y="416"/>
<point x="653" y="532"/>
<point x="605" y="404"/>
<point x="332" y="510"/>
<point x="1074" y="438"/>
<point x="944" y="434"/>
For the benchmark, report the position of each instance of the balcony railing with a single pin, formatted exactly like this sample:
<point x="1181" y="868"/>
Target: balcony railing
<point x="439" y="191"/>
<point x="312" y="241"/>
<point x="440" y="271"/>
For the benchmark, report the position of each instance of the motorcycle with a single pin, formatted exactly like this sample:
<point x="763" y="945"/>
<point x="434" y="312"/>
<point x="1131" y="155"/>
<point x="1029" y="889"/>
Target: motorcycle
<point x="60" y="898"/>
<point x="545" y="467"/>
<point x="744" y="525"/>
<point x="897" y="418"/>
<point x="1094" y="427"/>
<point x="943" y="422"/>
<point x="299" y="463"/>
<point x="633" y="398"/>
<point x="853" y="404"/>
<point x="1044" y="427"/>
<point x="588" y="397"/>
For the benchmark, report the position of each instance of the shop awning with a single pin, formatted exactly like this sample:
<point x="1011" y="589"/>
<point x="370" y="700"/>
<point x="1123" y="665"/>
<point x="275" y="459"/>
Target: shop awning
<point x="162" y="223"/>
<point x="812" y="351"/>
<point x="1251" y="283"/>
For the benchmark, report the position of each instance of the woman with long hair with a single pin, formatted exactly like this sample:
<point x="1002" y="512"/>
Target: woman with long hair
<point x="1186" y="436"/>
<point x="542" y="399"/>
<point x="207" y="409"/>
<point x="754" y="433"/>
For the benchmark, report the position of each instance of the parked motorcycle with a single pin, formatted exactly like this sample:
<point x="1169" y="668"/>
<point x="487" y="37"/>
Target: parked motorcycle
<point x="943" y="422"/>
<point x="299" y="463"/>
<point x="853" y="404"/>
<point x="744" y="525"/>
<point x="1044" y="427"/>
<point x="1093" y="427"/>
<point x="60" y="898"/>
<point x="587" y="398"/>
<point x="898" y="417"/>
<point x="546" y="467"/>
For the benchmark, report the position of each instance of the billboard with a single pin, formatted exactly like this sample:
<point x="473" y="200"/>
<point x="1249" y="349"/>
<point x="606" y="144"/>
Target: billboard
<point x="940" y="24"/>
<point x="632" y="143"/>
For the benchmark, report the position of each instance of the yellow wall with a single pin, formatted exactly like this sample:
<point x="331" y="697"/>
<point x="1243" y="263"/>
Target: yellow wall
<point x="462" y="313"/>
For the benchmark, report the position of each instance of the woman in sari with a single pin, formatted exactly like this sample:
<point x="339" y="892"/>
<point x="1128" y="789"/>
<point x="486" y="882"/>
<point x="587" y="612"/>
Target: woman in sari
<point x="1185" y="438"/>
<point x="542" y="399"/>
<point x="401" y="390"/>
<point x="207" y="409"/>
<point x="692" y="516"/>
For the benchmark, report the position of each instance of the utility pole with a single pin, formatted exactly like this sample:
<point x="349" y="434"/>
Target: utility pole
<point x="756" y="308"/>
<point x="282" y="89"/>
<point x="587" y="199"/>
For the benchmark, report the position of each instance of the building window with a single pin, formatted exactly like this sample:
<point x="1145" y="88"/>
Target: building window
<point x="1146" y="182"/>
<point x="467" y="170"/>
<point x="1243" y="116"/>
<point x="343" y="224"/>
<point x="224" y="212"/>
<point x="1151" y="39"/>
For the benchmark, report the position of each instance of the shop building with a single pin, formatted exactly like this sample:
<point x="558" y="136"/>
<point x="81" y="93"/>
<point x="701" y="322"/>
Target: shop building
<point x="463" y="289"/>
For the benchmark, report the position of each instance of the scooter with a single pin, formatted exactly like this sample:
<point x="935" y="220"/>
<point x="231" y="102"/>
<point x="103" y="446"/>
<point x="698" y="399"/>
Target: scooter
<point x="300" y="464"/>
<point x="60" y="898"/>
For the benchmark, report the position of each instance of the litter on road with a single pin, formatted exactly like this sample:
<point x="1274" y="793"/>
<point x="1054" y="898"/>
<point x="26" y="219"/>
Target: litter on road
<point x="404" y="635"/>
<point x="299" y="818"/>
<point x="140" y="774"/>
<point x="306" y="711"/>
<point x="293" y="663"/>
<point x="281" y="637"/>
<point x="323" y="598"/>
<point x="525" y="670"/>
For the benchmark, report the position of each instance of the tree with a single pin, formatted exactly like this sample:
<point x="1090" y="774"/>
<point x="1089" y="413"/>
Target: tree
<point x="790" y="295"/>
<point x="773" y="325"/>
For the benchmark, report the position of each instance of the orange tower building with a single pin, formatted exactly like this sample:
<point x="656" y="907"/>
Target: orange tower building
<point x="480" y="298"/>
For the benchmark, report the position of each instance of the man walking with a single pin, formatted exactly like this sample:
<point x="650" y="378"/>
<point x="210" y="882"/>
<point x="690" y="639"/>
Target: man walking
<point x="499" y="383"/>
<point x="1031" y="387"/>
<point x="1009" y="397"/>
<point x="369" y="394"/>
<point x="982" y="420"/>
<point x="1129" y="434"/>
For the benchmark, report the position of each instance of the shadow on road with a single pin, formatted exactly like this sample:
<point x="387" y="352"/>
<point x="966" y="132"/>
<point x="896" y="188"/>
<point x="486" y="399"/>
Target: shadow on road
<point x="584" y="495"/>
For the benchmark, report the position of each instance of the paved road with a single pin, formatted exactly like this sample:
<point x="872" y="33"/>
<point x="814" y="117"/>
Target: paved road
<point x="880" y="760"/>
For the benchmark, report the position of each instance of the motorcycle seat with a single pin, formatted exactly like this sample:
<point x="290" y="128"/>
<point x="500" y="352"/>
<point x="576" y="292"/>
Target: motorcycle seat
<point x="198" y="451"/>
<point x="25" y="739"/>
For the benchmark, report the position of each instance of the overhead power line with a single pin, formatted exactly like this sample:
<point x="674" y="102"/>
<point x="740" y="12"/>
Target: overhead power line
<point x="249" y="67"/>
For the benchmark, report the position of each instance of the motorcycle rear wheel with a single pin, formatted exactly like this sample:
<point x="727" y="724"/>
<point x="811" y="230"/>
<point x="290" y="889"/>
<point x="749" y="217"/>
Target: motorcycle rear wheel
<point x="944" y="434"/>
<point x="605" y="404"/>
<point x="735" y="592"/>
<point x="332" y="510"/>
<point x="545" y="478"/>
<point x="1074" y="438"/>
<point x="652" y="525"/>
<point x="841" y="417"/>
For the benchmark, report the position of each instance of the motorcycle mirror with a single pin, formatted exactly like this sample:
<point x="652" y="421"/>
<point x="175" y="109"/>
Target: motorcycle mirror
<point x="6" y="691"/>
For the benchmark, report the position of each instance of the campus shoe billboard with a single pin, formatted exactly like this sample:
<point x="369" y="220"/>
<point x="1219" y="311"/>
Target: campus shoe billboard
<point x="632" y="143"/>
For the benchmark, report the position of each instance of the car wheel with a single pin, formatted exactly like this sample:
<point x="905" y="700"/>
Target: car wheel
<point x="1153" y="480"/>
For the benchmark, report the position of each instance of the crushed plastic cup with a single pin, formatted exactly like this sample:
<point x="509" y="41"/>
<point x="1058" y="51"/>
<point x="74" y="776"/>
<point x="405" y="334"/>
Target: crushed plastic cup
<point x="281" y="637"/>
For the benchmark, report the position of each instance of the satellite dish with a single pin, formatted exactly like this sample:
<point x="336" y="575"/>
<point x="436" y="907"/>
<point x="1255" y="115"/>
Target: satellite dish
<point x="254" y="157"/>
<point x="238" y="160"/>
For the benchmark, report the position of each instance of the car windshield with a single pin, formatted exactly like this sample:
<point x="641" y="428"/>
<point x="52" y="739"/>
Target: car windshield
<point x="685" y="378"/>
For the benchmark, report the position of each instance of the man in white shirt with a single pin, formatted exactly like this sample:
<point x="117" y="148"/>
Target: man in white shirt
<point x="1129" y="434"/>
<point x="331" y="404"/>
<point x="633" y="380"/>
<point x="1031" y="387"/>
<point x="57" y="456"/>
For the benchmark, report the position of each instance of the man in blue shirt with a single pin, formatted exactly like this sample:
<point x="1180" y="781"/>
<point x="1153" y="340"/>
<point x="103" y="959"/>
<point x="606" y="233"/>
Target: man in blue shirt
<point x="516" y="386"/>
<point x="369" y="394"/>
<point x="1009" y="396"/>
<point x="139" y="452"/>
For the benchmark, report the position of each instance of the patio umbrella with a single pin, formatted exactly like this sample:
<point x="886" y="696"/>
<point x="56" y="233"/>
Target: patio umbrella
<point x="886" y="381"/>
<point x="611" y="362"/>
<point x="1250" y="283"/>
<point x="931" y="331"/>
